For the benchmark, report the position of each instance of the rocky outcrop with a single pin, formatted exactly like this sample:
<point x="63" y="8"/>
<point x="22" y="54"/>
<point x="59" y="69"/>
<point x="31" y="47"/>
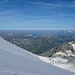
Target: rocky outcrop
<point x="61" y="50"/>
<point x="65" y="46"/>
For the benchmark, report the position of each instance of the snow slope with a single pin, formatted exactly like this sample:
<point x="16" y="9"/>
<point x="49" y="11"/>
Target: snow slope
<point x="60" y="62"/>
<point x="17" y="61"/>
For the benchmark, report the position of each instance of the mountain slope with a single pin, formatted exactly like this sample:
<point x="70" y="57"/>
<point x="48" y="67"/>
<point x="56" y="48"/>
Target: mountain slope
<point x="62" y="56"/>
<point x="16" y="61"/>
<point x="65" y="48"/>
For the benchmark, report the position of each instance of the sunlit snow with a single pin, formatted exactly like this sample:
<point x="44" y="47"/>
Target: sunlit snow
<point x="17" y="61"/>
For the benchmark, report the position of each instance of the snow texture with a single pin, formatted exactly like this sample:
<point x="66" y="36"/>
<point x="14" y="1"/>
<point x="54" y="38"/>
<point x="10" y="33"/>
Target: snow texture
<point x="67" y="62"/>
<point x="17" y="61"/>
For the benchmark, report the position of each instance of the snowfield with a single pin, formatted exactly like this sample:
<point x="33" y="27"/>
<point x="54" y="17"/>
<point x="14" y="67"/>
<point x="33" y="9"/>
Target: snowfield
<point x="59" y="62"/>
<point x="17" y="61"/>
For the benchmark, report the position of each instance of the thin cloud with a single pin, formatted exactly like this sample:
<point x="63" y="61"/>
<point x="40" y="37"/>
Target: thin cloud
<point x="55" y="5"/>
<point x="67" y="15"/>
<point x="4" y="2"/>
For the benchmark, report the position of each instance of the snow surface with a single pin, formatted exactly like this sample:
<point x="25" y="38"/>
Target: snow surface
<point x="60" y="62"/>
<point x="73" y="46"/>
<point x="17" y="61"/>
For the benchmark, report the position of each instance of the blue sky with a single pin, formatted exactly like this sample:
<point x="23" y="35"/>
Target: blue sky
<point x="37" y="14"/>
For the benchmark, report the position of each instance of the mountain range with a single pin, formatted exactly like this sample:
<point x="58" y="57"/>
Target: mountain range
<point x="38" y="41"/>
